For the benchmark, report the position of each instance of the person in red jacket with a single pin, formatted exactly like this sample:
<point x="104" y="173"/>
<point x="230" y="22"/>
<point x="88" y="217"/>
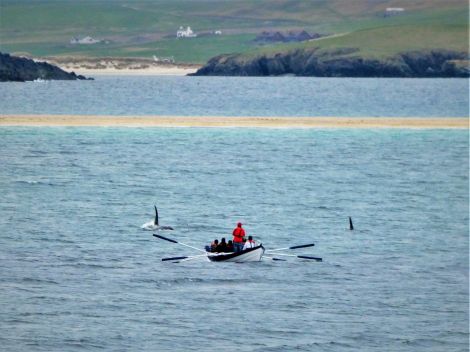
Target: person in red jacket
<point x="238" y="234"/>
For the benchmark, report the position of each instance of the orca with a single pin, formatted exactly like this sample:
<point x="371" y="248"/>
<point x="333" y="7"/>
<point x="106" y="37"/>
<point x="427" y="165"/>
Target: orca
<point x="351" y="227"/>
<point x="154" y="225"/>
<point x="155" y="222"/>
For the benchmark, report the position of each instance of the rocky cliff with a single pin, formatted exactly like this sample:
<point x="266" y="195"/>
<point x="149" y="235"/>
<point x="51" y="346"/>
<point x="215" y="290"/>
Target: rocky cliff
<point x="20" y="69"/>
<point x="339" y="63"/>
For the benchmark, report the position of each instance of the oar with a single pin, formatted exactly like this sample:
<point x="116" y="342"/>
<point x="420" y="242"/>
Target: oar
<point x="183" y="244"/>
<point x="293" y="247"/>
<point x="173" y="258"/>
<point x="184" y="257"/>
<point x="191" y="257"/>
<point x="272" y="258"/>
<point x="301" y="256"/>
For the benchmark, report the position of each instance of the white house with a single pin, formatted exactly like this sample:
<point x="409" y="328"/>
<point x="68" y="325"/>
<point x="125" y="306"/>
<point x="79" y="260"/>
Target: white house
<point x="185" y="33"/>
<point x="85" y="40"/>
<point x="165" y="60"/>
<point x="394" y="10"/>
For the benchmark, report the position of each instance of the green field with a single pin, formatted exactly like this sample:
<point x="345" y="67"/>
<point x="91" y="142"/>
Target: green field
<point x="427" y="30"/>
<point x="146" y="28"/>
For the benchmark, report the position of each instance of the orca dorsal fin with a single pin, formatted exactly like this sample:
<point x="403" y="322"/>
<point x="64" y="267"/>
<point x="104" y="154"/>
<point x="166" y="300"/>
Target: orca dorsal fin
<point x="156" y="215"/>
<point x="351" y="227"/>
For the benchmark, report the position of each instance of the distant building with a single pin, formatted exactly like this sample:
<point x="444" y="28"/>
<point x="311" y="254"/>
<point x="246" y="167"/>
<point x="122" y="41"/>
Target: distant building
<point x="165" y="60"/>
<point x="185" y="33"/>
<point x="84" y="40"/>
<point x="395" y="9"/>
<point x="391" y="11"/>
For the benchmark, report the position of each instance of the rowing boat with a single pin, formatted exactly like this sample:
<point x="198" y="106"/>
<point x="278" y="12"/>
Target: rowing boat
<point x="248" y="255"/>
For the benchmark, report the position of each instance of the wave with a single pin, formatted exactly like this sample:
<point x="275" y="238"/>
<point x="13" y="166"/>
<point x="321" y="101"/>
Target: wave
<point x="325" y="346"/>
<point x="149" y="226"/>
<point x="34" y="182"/>
<point x="197" y="281"/>
<point x="93" y="265"/>
<point x="35" y="280"/>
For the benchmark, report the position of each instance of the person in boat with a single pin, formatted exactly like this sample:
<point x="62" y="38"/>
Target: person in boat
<point x="229" y="246"/>
<point x="238" y="235"/>
<point x="214" y="245"/>
<point x="222" y="246"/>
<point x="250" y="243"/>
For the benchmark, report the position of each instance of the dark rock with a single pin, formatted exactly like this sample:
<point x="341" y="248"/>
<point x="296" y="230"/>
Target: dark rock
<point x="21" y="69"/>
<point x="344" y="62"/>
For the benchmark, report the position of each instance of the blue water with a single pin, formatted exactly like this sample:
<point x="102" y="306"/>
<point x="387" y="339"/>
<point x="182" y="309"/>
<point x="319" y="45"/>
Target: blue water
<point x="78" y="273"/>
<point x="234" y="96"/>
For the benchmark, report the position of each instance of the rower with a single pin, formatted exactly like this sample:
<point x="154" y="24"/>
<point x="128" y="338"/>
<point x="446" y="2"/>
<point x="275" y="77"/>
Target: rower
<point x="250" y="243"/>
<point x="222" y="247"/>
<point x="229" y="246"/>
<point x="214" y="245"/>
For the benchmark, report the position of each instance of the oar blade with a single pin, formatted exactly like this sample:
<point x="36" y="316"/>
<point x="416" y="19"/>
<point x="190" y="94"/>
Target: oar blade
<point x="308" y="257"/>
<point x="165" y="238"/>
<point x="302" y="246"/>
<point x="275" y="259"/>
<point x="173" y="258"/>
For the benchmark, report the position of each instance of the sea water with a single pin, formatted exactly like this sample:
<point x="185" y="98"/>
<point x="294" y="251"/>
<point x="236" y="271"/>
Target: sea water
<point x="78" y="272"/>
<point x="240" y="96"/>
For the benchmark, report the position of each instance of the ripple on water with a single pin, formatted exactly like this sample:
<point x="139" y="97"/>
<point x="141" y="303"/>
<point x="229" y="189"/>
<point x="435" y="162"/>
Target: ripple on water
<point x="79" y="273"/>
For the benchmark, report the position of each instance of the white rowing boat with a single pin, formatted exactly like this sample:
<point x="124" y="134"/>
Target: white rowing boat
<point x="254" y="254"/>
<point x="248" y="255"/>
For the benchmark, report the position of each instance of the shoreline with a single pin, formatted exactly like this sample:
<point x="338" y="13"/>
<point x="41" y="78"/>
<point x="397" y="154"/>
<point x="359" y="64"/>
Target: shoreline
<point x="154" y="71"/>
<point x="111" y="66"/>
<point x="24" y="120"/>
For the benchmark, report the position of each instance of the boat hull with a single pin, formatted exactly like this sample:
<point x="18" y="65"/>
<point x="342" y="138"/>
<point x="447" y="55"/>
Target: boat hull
<point x="250" y="255"/>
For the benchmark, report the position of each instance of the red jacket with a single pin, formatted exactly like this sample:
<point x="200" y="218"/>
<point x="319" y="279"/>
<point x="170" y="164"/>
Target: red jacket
<point x="238" y="234"/>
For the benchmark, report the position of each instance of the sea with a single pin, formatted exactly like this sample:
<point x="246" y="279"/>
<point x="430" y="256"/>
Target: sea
<point x="78" y="273"/>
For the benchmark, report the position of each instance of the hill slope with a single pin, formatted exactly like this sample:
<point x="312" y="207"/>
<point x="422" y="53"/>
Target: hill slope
<point x="142" y="28"/>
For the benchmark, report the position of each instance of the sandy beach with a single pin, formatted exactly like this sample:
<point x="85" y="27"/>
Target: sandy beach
<point x="120" y="66"/>
<point x="222" y="121"/>
<point x="151" y="71"/>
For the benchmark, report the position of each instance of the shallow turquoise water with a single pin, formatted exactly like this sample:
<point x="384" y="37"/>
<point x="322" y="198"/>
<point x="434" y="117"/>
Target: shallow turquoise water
<point x="240" y="96"/>
<point x="78" y="273"/>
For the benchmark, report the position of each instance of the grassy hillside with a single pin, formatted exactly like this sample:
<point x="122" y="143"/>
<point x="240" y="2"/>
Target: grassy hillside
<point x="438" y="29"/>
<point x="142" y="28"/>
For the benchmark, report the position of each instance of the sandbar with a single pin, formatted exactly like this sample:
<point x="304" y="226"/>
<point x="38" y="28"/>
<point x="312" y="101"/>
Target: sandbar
<point x="239" y="121"/>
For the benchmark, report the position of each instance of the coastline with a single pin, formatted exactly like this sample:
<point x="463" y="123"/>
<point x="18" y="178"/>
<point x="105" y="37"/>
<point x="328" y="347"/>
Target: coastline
<point x="110" y="66"/>
<point x="340" y="62"/>
<point x="110" y="71"/>
<point x="232" y="122"/>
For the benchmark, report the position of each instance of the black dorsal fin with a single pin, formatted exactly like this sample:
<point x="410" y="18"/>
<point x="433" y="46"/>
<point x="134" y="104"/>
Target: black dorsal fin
<point x="351" y="227"/>
<point x="156" y="215"/>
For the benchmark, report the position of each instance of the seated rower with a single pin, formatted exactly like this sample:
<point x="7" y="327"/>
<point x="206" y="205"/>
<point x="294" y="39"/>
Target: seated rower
<point x="214" y="245"/>
<point x="222" y="246"/>
<point x="229" y="246"/>
<point x="250" y="243"/>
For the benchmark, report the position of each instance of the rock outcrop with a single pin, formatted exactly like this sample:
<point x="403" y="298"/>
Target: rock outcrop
<point x="340" y="63"/>
<point x="21" y="69"/>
